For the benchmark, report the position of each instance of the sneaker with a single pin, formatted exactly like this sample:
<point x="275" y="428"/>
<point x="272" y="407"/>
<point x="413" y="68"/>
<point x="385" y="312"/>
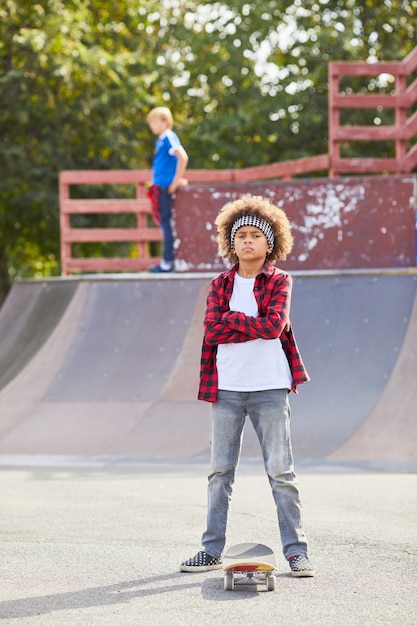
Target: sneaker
<point x="201" y="562"/>
<point x="158" y="269"/>
<point x="301" y="566"/>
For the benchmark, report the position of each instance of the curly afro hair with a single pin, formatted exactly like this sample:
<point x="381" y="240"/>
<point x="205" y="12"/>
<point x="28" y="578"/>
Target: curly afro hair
<point x="259" y="207"/>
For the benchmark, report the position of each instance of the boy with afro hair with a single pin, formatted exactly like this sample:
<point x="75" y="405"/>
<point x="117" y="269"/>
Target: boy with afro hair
<point x="249" y="364"/>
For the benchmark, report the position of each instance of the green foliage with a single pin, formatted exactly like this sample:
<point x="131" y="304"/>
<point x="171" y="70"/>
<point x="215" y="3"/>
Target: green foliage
<point x="246" y="81"/>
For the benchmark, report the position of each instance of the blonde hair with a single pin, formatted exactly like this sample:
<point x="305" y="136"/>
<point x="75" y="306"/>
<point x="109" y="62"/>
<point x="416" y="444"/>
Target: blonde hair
<point x="261" y="208"/>
<point x="163" y="113"/>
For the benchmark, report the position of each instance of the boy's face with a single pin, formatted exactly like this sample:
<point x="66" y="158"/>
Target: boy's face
<point x="157" y="125"/>
<point x="250" y="244"/>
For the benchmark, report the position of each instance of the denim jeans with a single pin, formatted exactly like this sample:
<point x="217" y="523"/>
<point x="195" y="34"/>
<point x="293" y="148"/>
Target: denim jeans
<point x="165" y="207"/>
<point x="269" y="412"/>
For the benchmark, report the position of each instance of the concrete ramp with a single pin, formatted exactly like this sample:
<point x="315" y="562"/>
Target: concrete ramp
<point x="109" y="365"/>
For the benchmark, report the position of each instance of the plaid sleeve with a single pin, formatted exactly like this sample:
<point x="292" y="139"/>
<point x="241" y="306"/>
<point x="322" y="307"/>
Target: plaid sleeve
<point x="273" y="295"/>
<point x="298" y="370"/>
<point x="207" y="390"/>
<point x="221" y="325"/>
<point x="216" y="303"/>
<point x="216" y="330"/>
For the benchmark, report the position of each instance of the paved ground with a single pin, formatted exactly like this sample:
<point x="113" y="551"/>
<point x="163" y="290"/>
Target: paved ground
<point x="98" y="541"/>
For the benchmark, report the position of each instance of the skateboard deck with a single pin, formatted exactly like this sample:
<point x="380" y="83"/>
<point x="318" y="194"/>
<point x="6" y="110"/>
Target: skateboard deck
<point x="249" y="564"/>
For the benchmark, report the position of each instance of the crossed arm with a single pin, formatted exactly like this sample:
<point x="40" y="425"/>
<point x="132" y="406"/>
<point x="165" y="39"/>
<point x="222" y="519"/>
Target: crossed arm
<point x="224" y="326"/>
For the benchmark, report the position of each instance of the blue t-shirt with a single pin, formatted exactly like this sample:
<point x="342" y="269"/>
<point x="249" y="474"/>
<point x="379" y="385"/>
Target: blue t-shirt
<point x="165" y="161"/>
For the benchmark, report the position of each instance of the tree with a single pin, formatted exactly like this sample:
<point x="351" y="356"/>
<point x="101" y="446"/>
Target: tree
<point x="252" y="76"/>
<point x="330" y="30"/>
<point x="246" y="81"/>
<point x="72" y="79"/>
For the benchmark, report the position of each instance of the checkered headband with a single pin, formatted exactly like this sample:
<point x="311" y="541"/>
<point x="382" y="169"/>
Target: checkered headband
<point x="252" y="220"/>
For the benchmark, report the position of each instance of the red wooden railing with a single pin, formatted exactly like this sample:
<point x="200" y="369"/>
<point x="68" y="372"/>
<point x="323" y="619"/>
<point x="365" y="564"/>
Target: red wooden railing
<point x="70" y="235"/>
<point x="401" y="101"/>
<point x="142" y="234"/>
<point x="402" y="132"/>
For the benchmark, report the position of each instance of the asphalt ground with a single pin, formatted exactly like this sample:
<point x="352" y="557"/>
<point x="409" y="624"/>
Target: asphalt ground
<point x="97" y="541"/>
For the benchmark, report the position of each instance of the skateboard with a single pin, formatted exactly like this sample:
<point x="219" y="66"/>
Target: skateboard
<point x="254" y="562"/>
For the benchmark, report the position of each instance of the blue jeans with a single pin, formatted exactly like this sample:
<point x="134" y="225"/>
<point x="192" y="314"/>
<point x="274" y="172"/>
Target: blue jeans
<point x="165" y="207"/>
<point x="269" y="412"/>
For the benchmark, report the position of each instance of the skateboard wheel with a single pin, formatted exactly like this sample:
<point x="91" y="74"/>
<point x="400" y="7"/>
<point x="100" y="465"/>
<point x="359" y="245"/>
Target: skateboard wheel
<point x="229" y="582"/>
<point x="270" y="582"/>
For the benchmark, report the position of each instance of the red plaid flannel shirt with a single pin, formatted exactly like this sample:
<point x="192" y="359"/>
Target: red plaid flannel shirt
<point x="272" y="292"/>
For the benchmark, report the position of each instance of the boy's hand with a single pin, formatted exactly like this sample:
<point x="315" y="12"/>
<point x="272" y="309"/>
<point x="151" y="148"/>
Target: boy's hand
<point x="181" y="182"/>
<point x="287" y="326"/>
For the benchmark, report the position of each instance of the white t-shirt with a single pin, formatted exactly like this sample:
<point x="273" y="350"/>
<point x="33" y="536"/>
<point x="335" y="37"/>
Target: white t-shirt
<point x="253" y="365"/>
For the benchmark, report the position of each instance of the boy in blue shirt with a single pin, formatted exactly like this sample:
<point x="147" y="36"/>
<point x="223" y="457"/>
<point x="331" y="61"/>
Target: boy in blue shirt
<point x="168" y="167"/>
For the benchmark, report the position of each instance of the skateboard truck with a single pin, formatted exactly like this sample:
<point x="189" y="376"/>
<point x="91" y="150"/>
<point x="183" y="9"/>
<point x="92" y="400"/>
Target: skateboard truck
<point x="249" y="564"/>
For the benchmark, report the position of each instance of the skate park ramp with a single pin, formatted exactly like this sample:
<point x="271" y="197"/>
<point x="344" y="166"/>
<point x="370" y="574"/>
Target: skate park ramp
<point x="108" y="365"/>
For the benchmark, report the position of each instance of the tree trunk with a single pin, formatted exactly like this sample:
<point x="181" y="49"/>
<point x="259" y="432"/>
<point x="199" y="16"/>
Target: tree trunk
<point x="4" y="275"/>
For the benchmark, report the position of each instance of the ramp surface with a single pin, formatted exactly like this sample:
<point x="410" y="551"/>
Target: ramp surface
<point x="109" y="366"/>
